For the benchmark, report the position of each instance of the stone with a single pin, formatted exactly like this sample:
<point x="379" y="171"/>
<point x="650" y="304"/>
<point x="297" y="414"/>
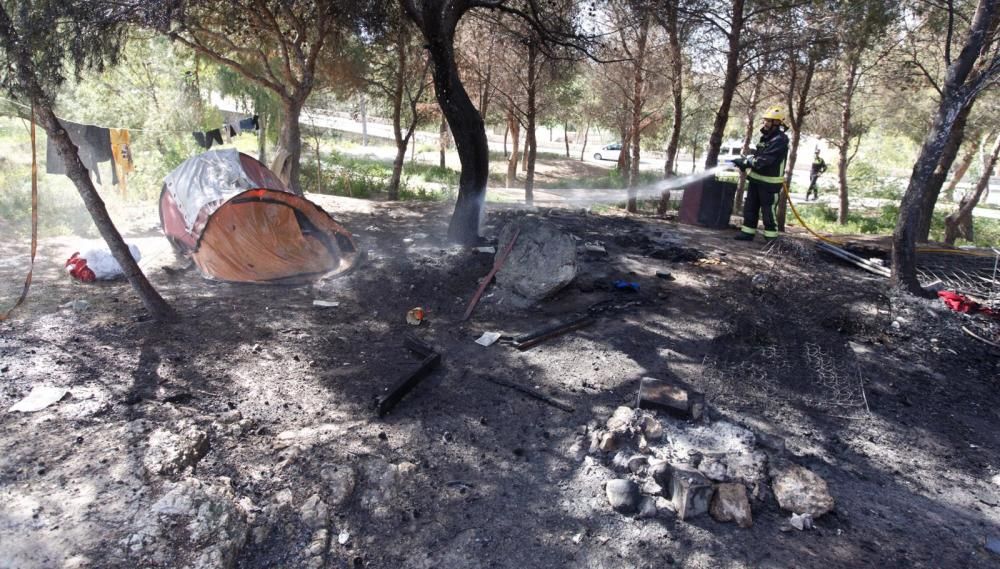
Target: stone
<point x="194" y="524"/>
<point x="647" y="507"/>
<point x="623" y="495"/>
<point x="340" y="483"/>
<point x="170" y="453"/>
<point x="801" y="522"/>
<point x="672" y="398"/>
<point x="691" y="493"/>
<point x="661" y="473"/>
<point x="609" y="442"/>
<point x="637" y="464"/>
<point x="318" y="544"/>
<point x="314" y="512"/>
<point x="730" y="504"/>
<point x="713" y="467"/>
<point x="747" y="467"/>
<point x="621" y="419"/>
<point x="993" y="544"/>
<point x="542" y="261"/>
<point x="772" y="443"/>
<point x="651" y="488"/>
<point x="651" y="428"/>
<point x="801" y="491"/>
<point x="380" y="492"/>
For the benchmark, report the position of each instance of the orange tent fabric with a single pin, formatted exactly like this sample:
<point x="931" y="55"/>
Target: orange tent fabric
<point x="260" y="235"/>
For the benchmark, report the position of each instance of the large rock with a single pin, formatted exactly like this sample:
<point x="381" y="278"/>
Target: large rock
<point x="195" y="525"/>
<point x="730" y="504"/>
<point x="542" y="261"/>
<point x="799" y="490"/>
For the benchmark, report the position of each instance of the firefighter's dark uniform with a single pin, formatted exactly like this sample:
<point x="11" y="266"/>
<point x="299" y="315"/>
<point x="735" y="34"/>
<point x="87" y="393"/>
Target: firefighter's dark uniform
<point x="818" y="167"/>
<point x="766" y="176"/>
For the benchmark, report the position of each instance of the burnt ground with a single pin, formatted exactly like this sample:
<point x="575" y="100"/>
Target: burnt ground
<point x="780" y="341"/>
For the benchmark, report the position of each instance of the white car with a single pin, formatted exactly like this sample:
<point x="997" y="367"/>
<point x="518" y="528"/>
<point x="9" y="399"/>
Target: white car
<point x="610" y="152"/>
<point x="731" y="150"/>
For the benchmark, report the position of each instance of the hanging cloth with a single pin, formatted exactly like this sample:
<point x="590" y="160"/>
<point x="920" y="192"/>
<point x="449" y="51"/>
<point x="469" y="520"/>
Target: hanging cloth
<point x="122" y="152"/>
<point x="93" y="146"/>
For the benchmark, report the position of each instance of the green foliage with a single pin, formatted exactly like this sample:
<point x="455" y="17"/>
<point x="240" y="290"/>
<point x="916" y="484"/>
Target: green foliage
<point x="368" y="178"/>
<point x="865" y="180"/>
<point x="882" y="221"/>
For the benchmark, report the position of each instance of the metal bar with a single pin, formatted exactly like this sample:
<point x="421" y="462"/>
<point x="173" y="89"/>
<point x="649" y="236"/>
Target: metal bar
<point x="534" y="338"/>
<point x="431" y="360"/>
<point x="531" y="393"/>
<point x="489" y="277"/>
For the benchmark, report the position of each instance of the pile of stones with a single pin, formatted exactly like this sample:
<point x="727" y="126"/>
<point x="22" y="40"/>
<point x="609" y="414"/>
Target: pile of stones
<point x="692" y="468"/>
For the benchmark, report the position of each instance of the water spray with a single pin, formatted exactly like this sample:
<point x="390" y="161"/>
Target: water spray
<point x="649" y="191"/>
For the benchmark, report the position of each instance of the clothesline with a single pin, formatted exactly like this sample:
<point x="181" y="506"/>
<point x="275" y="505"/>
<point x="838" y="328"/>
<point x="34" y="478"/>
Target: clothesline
<point x="28" y="107"/>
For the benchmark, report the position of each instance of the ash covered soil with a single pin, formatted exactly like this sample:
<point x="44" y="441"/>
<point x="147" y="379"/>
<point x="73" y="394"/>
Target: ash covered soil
<point x="245" y="435"/>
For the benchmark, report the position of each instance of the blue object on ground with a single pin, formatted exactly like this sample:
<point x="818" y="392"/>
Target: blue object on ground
<point x="626" y="285"/>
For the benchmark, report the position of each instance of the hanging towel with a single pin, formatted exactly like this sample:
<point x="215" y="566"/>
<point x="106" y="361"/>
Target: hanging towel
<point x="122" y="154"/>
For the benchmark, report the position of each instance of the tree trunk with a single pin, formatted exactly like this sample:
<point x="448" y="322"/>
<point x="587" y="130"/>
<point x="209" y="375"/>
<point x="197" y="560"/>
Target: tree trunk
<point x="262" y="138"/>
<point x="955" y="95"/>
<point x="624" y="163"/>
<point x="524" y="155"/>
<point x="290" y="140"/>
<point x="930" y="196"/>
<point x="677" y="100"/>
<point x="748" y="136"/>
<point x="728" y="85"/>
<point x="443" y="141"/>
<point x="959" y="222"/>
<point x="467" y="128"/>
<point x="506" y="131"/>
<point x="637" y="104"/>
<point x="963" y="167"/>
<point x="397" y="116"/>
<point x="798" y="115"/>
<point x="515" y="152"/>
<point x="586" y="133"/>
<point x="566" y="136"/>
<point x="844" y="144"/>
<point x="363" y="104"/>
<point x="530" y="140"/>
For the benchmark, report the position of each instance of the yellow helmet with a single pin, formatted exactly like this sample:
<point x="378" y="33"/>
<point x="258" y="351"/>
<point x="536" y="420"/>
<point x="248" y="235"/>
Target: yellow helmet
<point x="775" y="113"/>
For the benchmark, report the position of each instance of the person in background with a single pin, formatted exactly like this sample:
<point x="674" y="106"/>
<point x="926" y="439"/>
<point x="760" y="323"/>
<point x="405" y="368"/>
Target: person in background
<point x="766" y="176"/>
<point x="818" y="167"/>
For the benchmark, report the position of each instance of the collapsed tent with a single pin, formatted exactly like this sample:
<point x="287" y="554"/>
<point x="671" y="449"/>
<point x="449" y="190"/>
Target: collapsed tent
<point x="239" y="223"/>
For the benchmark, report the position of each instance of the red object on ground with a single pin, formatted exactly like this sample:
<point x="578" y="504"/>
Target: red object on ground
<point x="77" y="268"/>
<point x="962" y="303"/>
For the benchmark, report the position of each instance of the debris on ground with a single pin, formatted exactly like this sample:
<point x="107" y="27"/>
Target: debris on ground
<point x="41" y="396"/>
<point x="326" y="303"/>
<point x="431" y="359"/>
<point x="488" y="338"/>
<point x="662" y="394"/>
<point x="415" y="316"/>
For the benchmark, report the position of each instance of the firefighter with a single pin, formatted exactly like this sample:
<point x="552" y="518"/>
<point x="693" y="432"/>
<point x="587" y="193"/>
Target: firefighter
<point x="818" y="167"/>
<point x="766" y="175"/>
